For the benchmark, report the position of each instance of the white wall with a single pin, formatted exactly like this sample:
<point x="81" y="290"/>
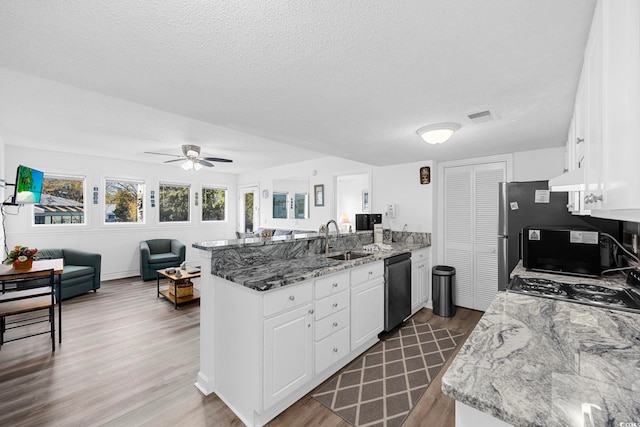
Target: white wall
<point x="349" y="197"/>
<point x="3" y="193"/>
<point x="321" y="171"/>
<point x="538" y="165"/>
<point x="118" y="243"/>
<point x="400" y="185"/>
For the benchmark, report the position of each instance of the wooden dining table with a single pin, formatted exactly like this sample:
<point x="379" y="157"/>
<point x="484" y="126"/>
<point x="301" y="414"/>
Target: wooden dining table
<point x="8" y="273"/>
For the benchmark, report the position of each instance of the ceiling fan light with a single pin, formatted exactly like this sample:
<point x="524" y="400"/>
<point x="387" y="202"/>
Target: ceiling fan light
<point x="197" y="166"/>
<point x="188" y="165"/>
<point x="192" y="153"/>
<point x="437" y="133"/>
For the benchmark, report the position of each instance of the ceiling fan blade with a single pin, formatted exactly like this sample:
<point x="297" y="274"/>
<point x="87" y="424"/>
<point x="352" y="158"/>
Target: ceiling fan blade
<point x="174" y="160"/>
<point x="204" y="162"/>
<point x="162" y="154"/>
<point x="217" y="159"/>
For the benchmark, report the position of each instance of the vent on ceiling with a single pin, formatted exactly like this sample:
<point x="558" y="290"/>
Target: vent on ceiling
<point x="480" y="116"/>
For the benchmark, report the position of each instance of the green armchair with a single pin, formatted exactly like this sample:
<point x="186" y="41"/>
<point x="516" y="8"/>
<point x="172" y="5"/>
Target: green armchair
<point x="156" y="254"/>
<point x="81" y="272"/>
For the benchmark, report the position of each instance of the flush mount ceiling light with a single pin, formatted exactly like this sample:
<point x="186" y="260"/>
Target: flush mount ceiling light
<point x="438" y="133"/>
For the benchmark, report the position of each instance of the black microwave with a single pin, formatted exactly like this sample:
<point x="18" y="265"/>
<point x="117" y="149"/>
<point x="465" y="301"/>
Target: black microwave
<point x="563" y="250"/>
<point x="367" y="221"/>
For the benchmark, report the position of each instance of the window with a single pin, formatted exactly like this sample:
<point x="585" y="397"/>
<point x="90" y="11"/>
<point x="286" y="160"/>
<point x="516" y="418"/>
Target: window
<point x="62" y="201"/>
<point x="123" y="201"/>
<point x="214" y="204"/>
<point x="174" y="202"/>
<point x="279" y="205"/>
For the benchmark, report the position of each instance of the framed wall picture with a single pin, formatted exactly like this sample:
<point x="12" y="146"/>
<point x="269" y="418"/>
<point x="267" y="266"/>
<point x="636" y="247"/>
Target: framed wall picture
<point x="365" y="200"/>
<point x="318" y="193"/>
<point x="425" y="175"/>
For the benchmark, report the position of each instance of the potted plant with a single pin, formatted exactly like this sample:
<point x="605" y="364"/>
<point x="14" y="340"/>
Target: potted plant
<point x="21" y="257"/>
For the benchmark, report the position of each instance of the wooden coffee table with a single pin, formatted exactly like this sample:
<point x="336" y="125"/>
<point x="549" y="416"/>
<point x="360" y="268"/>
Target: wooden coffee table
<point x="185" y="275"/>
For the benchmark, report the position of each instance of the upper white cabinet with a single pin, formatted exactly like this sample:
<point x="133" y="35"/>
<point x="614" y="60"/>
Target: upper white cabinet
<point x="603" y="146"/>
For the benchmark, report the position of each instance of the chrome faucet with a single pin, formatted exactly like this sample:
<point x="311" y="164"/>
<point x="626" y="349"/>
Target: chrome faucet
<point x="326" y="235"/>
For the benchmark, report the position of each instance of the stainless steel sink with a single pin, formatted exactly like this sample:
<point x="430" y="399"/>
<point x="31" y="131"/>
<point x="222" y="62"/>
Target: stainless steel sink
<point x="348" y="256"/>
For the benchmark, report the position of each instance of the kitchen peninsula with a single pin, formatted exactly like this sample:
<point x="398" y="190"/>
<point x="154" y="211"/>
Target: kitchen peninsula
<point x="543" y="362"/>
<point x="279" y="316"/>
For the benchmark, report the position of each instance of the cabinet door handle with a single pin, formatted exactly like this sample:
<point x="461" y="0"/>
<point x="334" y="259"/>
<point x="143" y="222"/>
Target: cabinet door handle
<point x="592" y="198"/>
<point x="311" y="311"/>
<point x="335" y="305"/>
<point x="335" y="350"/>
<point x="292" y="297"/>
<point x="579" y="141"/>
<point x="335" y="324"/>
<point x="335" y="285"/>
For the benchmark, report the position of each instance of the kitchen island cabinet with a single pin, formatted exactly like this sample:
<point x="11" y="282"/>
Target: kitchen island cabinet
<point x="278" y="316"/>
<point x="271" y="348"/>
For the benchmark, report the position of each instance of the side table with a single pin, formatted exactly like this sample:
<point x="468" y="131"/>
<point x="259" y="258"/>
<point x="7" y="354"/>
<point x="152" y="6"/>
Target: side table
<point x="185" y="275"/>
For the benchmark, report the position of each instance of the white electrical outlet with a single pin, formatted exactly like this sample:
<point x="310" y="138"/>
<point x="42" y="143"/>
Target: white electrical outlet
<point x="391" y="210"/>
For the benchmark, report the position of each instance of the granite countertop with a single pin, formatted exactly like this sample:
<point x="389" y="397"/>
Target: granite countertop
<point x="266" y="274"/>
<point x="544" y="362"/>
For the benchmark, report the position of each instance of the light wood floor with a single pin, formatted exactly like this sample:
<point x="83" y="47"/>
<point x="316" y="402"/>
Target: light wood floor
<point x="128" y="358"/>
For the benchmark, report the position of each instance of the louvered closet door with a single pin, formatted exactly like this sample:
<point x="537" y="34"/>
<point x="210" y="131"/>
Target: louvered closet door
<point x="487" y="177"/>
<point x="471" y="230"/>
<point x="458" y="232"/>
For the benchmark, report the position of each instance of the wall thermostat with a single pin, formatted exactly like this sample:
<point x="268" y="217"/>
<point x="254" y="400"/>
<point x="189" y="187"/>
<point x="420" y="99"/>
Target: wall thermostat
<point x="265" y="193"/>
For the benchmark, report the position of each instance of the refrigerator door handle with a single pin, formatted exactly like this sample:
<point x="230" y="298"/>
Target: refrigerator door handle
<point x="503" y="213"/>
<point x="503" y="262"/>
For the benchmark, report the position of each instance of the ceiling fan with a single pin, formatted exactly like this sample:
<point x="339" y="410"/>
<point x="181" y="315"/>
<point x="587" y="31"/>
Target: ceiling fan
<point x="192" y="159"/>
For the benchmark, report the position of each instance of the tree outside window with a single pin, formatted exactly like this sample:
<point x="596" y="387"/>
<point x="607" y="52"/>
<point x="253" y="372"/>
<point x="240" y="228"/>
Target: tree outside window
<point x="124" y="201"/>
<point x="174" y="202"/>
<point x="214" y="204"/>
<point x="62" y="201"/>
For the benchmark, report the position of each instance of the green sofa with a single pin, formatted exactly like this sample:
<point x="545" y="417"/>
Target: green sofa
<point x="81" y="272"/>
<point x="156" y="254"/>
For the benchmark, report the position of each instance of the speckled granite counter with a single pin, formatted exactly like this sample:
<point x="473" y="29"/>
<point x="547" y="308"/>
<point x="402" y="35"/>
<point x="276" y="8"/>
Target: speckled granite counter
<point x="268" y="263"/>
<point x="535" y="361"/>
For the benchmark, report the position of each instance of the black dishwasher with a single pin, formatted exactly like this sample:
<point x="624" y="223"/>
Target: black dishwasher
<point x="397" y="290"/>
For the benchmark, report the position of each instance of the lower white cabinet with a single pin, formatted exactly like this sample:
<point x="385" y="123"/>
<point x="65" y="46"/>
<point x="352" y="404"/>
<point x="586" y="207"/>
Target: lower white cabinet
<point x="273" y="347"/>
<point x="420" y="279"/>
<point x="367" y="303"/>
<point x="288" y="352"/>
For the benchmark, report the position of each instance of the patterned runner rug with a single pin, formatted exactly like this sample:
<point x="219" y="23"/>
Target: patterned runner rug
<point x="382" y="385"/>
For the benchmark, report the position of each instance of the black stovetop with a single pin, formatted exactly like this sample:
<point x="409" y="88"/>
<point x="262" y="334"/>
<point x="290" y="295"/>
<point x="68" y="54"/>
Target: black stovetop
<point x="583" y="293"/>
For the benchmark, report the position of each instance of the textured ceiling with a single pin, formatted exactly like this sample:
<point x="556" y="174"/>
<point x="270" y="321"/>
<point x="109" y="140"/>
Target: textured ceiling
<point x="289" y="81"/>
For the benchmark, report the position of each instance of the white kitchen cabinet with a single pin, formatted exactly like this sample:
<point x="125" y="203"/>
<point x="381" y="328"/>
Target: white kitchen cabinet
<point x="273" y="347"/>
<point x="331" y="324"/>
<point x="420" y="279"/>
<point x="367" y="303"/>
<point x="288" y="353"/>
<point x="606" y="113"/>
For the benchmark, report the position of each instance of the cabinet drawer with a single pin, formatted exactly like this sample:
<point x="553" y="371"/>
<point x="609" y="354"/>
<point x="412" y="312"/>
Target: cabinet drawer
<point x="331" y="324"/>
<point x="367" y="272"/>
<point x="288" y="297"/>
<point x="420" y="255"/>
<point x="333" y="284"/>
<point x="331" y="349"/>
<point x="331" y="304"/>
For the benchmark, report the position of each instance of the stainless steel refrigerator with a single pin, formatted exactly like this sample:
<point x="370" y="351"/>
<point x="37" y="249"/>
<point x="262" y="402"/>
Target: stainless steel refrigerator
<point x="529" y="203"/>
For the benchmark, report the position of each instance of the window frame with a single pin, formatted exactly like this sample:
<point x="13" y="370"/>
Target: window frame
<point x="226" y="202"/>
<point x="82" y="178"/>
<point x="189" y="201"/>
<point x="105" y="204"/>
